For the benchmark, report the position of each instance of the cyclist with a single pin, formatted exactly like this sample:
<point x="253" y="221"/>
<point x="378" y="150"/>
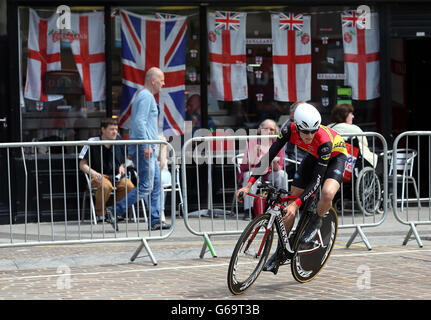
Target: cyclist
<point x="323" y="165"/>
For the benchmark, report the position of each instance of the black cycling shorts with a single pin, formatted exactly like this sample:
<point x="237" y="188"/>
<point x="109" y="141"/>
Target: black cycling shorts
<point x="335" y="170"/>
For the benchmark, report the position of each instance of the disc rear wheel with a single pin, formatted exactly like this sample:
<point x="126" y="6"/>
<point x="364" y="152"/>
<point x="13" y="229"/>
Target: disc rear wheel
<point x="308" y="262"/>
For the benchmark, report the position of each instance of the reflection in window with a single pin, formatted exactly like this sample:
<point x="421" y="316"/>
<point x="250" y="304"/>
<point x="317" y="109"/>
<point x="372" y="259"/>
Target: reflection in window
<point x="62" y="73"/>
<point x="63" y="103"/>
<point x="276" y="77"/>
<point x="148" y="37"/>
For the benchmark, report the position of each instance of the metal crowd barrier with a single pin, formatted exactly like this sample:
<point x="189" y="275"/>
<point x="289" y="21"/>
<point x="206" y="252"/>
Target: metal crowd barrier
<point x="207" y="220"/>
<point x="363" y="201"/>
<point x="209" y="153"/>
<point x="34" y="179"/>
<point x="410" y="177"/>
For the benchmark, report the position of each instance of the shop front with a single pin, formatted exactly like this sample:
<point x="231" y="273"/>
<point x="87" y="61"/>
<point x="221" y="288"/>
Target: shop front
<point x="226" y="65"/>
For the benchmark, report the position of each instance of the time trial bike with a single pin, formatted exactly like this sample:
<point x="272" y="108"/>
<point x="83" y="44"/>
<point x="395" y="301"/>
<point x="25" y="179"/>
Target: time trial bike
<point x="254" y="245"/>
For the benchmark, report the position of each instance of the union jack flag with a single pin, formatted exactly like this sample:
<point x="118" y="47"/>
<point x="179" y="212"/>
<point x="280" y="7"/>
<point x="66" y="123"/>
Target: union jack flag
<point x="225" y="20"/>
<point x="351" y="19"/>
<point x="165" y="16"/>
<point x="150" y="42"/>
<point x="291" y="21"/>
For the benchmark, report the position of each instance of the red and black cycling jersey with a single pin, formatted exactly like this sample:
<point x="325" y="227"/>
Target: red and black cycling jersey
<point x="326" y="144"/>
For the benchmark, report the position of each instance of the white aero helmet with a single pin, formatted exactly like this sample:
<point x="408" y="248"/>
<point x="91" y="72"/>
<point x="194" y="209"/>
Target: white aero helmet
<point x="307" y="117"/>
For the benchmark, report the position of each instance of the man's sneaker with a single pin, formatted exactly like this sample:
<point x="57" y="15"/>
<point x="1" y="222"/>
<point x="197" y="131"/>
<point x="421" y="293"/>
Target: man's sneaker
<point x="112" y="219"/>
<point x="166" y="226"/>
<point x="311" y="230"/>
<point x="159" y="225"/>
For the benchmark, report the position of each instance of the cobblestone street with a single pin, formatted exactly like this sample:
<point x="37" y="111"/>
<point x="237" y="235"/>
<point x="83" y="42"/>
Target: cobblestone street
<point x="387" y="272"/>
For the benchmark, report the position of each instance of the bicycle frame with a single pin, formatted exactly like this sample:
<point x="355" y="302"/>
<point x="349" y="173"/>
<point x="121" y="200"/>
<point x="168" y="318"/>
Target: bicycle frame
<point x="276" y="210"/>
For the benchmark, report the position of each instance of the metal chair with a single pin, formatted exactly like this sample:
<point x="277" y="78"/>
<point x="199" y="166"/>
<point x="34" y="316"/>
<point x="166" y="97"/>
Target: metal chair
<point x="402" y="167"/>
<point x="90" y="191"/>
<point x="168" y="188"/>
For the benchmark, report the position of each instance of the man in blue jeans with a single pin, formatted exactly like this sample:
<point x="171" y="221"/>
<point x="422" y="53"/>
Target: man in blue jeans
<point x="144" y="126"/>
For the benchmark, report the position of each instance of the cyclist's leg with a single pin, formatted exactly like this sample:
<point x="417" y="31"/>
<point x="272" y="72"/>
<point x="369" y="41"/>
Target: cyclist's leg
<point x="330" y="187"/>
<point x="331" y="183"/>
<point x="300" y="178"/>
<point x="279" y="257"/>
<point x="329" y="190"/>
<point x="300" y="181"/>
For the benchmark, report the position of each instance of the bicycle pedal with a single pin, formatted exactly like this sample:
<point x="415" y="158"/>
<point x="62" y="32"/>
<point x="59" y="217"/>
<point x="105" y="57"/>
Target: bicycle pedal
<point x="287" y="261"/>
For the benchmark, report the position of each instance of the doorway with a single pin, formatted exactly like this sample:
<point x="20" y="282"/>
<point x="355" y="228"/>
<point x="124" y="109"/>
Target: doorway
<point x="418" y="88"/>
<point x="4" y="133"/>
<point x="4" y="91"/>
<point x="418" y="72"/>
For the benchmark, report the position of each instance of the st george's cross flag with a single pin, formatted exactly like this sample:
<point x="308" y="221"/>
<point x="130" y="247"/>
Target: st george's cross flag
<point x="361" y="55"/>
<point x="149" y="41"/>
<point x="226" y="37"/>
<point x="88" y="49"/>
<point x="43" y="55"/>
<point x="291" y="56"/>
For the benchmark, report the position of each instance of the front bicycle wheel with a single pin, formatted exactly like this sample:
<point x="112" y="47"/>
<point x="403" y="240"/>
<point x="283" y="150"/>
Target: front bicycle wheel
<point x="250" y="254"/>
<point x="308" y="262"/>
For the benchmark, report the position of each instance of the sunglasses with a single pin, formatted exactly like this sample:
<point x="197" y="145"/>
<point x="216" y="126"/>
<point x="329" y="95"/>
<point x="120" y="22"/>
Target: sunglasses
<point x="308" y="131"/>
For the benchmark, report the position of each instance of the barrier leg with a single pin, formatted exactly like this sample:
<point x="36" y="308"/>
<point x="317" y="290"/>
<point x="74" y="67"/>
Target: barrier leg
<point x="207" y="243"/>
<point x="416" y="234"/>
<point x="359" y="231"/>
<point x="144" y="243"/>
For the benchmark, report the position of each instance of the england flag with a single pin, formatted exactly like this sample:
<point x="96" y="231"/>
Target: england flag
<point x="291" y="57"/>
<point x="88" y="48"/>
<point x="361" y="56"/>
<point x="154" y="42"/>
<point x="43" y="55"/>
<point x="226" y="37"/>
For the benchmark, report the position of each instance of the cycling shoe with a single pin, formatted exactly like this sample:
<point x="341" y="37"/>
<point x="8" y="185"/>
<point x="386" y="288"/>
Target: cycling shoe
<point x="311" y="230"/>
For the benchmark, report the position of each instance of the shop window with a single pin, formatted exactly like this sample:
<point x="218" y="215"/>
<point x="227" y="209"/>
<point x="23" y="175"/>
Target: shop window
<point x="62" y="73"/>
<point x="254" y="93"/>
<point x="63" y="113"/>
<point x="164" y="37"/>
<point x="246" y="100"/>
